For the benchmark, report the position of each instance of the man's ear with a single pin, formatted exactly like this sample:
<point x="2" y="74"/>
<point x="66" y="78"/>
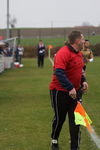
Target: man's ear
<point x="77" y="41"/>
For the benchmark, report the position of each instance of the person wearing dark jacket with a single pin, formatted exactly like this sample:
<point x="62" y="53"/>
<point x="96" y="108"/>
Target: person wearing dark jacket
<point x="41" y="53"/>
<point x="1" y="47"/>
<point x="7" y="51"/>
<point x="66" y="81"/>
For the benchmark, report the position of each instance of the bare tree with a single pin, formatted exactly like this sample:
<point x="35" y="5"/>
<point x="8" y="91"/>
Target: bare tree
<point x="86" y="23"/>
<point x="13" y="21"/>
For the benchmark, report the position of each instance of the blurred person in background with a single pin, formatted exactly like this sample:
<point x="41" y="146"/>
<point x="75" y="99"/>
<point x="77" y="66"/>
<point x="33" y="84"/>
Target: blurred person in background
<point x="17" y="54"/>
<point x="87" y="53"/>
<point x="7" y="51"/>
<point x="1" y="47"/>
<point x="20" y="53"/>
<point x="41" y="53"/>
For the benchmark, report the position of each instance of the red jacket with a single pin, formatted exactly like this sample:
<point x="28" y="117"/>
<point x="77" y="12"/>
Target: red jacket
<point x="72" y="63"/>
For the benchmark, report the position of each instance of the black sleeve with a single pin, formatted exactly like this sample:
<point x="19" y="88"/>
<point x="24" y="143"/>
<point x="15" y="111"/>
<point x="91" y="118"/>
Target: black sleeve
<point x="65" y="83"/>
<point x="83" y="79"/>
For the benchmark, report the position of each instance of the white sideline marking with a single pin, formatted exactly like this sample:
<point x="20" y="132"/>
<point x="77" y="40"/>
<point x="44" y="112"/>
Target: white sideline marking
<point x="51" y="61"/>
<point x="95" y="138"/>
<point x="49" y="56"/>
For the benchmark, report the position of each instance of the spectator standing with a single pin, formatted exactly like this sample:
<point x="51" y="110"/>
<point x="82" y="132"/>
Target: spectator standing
<point x="20" y="51"/>
<point x="66" y="81"/>
<point x="7" y="51"/>
<point x="1" y="47"/>
<point x="87" y="53"/>
<point x="41" y="53"/>
<point x="17" y="54"/>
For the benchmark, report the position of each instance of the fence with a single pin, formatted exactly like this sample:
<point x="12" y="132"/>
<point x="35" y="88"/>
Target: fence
<point x="52" y="32"/>
<point x="5" y="63"/>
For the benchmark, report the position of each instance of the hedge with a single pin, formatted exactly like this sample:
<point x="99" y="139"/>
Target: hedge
<point x="31" y="51"/>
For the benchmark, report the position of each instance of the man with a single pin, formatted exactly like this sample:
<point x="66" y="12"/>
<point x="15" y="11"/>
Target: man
<point x="1" y="47"/>
<point x="41" y="53"/>
<point x="7" y="51"/>
<point x="66" y="81"/>
<point x="20" y="53"/>
<point x="87" y="53"/>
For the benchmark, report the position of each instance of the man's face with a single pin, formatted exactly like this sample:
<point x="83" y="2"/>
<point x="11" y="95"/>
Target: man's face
<point x="80" y="42"/>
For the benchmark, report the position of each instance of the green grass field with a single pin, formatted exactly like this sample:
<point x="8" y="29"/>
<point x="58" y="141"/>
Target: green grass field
<point x="56" y="41"/>
<point x="25" y="108"/>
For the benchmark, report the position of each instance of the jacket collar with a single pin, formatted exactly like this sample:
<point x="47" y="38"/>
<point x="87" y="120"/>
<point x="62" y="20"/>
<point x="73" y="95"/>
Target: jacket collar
<point x="71" y="48"/>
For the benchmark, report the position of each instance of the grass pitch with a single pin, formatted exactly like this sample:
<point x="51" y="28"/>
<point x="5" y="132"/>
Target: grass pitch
<point x="25" y="108"/>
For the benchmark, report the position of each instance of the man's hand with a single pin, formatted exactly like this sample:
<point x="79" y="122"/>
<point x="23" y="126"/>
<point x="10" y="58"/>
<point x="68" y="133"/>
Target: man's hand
<point x="72" y="93"/>
<point x="85" y="86"/>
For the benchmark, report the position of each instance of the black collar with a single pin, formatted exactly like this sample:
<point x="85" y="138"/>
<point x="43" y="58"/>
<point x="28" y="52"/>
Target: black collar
<point x="71" y="48"/>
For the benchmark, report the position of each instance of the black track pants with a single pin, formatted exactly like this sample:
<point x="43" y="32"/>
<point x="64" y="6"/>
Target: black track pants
<point x="62" y="104"/>
<point x="40" y="61"/>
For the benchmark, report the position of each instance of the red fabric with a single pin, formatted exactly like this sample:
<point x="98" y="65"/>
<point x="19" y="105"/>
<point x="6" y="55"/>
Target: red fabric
<point x="72" y="63"/>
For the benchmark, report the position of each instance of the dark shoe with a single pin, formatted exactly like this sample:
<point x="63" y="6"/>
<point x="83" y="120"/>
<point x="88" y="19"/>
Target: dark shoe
<point x="54" y="146"/>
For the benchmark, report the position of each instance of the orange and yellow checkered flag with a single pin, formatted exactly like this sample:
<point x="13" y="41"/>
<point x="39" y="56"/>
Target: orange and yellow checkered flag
<point x="81" y="117"/>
